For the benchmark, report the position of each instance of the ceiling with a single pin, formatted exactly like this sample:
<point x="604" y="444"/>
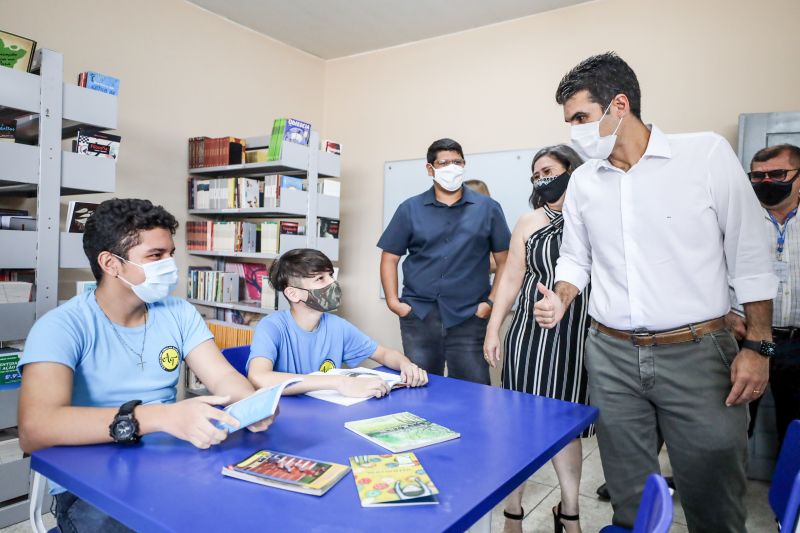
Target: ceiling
<point x="331" y="29"/>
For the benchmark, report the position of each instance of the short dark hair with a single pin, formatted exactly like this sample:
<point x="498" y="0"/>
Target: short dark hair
<point x="771" y="152"/>
<point x="604" y="76"/>
<point x="115" y="225"/>
<point x="297" y="264"/>
<point x="443" y="145"/>
<point x="561" y="153"/>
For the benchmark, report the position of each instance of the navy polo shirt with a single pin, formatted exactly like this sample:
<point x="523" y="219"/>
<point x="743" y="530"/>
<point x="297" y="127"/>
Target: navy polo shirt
<point x="448" y="252"/>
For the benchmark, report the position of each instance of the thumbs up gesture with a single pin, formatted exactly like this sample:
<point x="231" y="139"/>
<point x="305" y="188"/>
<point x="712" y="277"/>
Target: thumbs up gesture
<point x="548" y="310"/>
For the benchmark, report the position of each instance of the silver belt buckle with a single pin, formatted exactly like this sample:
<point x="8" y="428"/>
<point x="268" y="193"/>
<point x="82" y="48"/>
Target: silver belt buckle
<point x="641" y="333"/>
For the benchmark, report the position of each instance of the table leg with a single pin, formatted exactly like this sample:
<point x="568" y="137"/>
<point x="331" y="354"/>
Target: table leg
<point x="484" y="525"/>
<point x="37" y="497"/>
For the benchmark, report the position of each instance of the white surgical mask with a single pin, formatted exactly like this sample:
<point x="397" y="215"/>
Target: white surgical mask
<point x="450" y="177"/>
<point x="587" y="141"/>
<point x="160" y="279"/>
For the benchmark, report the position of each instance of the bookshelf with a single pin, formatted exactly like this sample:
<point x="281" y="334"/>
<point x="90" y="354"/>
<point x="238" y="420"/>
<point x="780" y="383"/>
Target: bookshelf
<point x="47" y="110"/>
<point x="306" y="206"/>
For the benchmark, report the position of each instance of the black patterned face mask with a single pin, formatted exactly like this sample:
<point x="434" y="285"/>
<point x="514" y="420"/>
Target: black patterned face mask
<point x="551" y="189"/>
<point x="325" y="299"/>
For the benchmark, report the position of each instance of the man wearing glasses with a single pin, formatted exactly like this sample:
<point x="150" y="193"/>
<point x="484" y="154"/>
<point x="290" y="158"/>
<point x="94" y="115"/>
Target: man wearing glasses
<point x="448" y="232"/>
<point x="773" y="174"/>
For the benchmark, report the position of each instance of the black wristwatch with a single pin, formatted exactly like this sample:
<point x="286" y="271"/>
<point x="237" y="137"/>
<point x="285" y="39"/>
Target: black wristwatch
<point x="764" y="348"/>
<point x="125" y="427"/>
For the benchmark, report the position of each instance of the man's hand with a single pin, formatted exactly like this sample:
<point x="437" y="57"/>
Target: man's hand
<point x="749" y="375"/>
<point x="736" y="325"/>
<point x="412" y="375"/>
<point x="491" y="347"/>
<point x="399" y="308"/>
<point x="483" y="311"/>
<point x="549" y="310"/>
<point x="190" y="420"/>
<point x="363" y="387"/>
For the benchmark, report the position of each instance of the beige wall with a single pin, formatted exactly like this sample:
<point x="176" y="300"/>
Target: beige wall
<point x="699" y="63"/>
<point x="184" y="72"/>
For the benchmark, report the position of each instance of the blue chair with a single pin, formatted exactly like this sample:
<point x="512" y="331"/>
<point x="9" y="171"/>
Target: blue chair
<point x="784" y="491"/>
<point x="237" y="357"/>
<point x="655" y="509"/>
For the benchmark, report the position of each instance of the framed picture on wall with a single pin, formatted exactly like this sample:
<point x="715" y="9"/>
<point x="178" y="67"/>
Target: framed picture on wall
<point x="16" y="51"/>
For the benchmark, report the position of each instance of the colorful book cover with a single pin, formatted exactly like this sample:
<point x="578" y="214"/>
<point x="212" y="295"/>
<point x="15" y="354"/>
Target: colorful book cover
<point x="297" y="131"/>
<point x="9" y="359"/>
<point x="292" y="182"/>
<point x="289" y="472"/>
<point x="16" y="51"/>
<point x="101" y="82"/>
<point x="8" y="130"/>
<point x="400" y="432"/>
<point x="78" y="215"/>
<point x="391" y="480"/>
<point x="97" y="144"/>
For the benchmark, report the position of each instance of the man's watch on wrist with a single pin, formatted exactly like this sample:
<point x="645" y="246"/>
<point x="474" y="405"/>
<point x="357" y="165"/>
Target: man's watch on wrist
<point x="490" y="302"/>
<point x="763" y="348"/>
<point x="125" y="427"/>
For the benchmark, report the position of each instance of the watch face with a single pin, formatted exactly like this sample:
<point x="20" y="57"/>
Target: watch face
<point x="768" y="348"/>
<point x="123" y="429"/>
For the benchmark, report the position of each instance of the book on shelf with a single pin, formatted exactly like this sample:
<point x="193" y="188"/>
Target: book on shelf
<point x="329" y="187"/>
<point x="97" y="144"/>
<point x="241" y="193"/>
<point x="223" y="236"/>
<point x="401" y="432"/>
<point x="8" y="130"/>
<point x="15" y="292"/>
<point x="18" y="222"/>
<point x="270" y="236"/>
<point x="258" y="406"/>
<point x="228" y="335"/>
<point x="269" y="298"/>
<point x="9" y="359"/>
<point x="215" y="152"/>
<point x="16" y="52"/>
<point x="256" y="155"/>
<point x="287" y="472"/>
<point x="13" y="212"/>
<point x="333" y="396"/>
<point x="251" y="276"/>
<point x="85" y="286"/>
<point x="392" y="480"/>
<point x="287" y="130"/>
<point x="78" y="214"/>
<point x="328" y="227"/>
<point x="99" y="82"/>
<point x="290" y="227"/>
<point x="332" y="147"/>
<point x="212" y="286"/>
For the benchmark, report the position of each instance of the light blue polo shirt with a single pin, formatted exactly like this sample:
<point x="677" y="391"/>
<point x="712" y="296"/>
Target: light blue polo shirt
<point x="292" y="349"/>
<point x="77" y="334"/>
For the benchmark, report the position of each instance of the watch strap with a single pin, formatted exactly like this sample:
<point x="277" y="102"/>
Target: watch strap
<point x="128" y="407"/>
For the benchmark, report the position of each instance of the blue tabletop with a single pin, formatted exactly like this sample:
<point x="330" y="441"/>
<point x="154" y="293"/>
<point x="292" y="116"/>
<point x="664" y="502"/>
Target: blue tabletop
<point x="164" y="484"/>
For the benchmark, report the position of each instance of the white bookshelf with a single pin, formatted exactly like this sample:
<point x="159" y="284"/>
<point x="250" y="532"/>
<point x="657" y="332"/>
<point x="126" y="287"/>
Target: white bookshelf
<point x="47" y="110"/>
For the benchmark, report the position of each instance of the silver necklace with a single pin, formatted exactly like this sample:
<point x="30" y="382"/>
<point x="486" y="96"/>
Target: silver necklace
<point x="140" y="354"/>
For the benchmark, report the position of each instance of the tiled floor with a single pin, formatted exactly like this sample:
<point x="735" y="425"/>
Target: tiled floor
<point x="542" y="494"/>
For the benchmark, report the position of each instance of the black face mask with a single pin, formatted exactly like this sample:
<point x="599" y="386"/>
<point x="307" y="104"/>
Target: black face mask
<point x="554" y="188"/>
<point x="772" y="193"/>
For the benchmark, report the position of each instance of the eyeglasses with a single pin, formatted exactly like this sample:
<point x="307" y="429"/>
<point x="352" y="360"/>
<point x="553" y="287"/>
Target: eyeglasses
<point x="444" y="162"/>
<point x="775" y="175"/>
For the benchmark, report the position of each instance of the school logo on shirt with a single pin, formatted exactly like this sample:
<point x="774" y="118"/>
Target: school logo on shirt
<point x="326" y="365"/>
<point x="169" y="358"/>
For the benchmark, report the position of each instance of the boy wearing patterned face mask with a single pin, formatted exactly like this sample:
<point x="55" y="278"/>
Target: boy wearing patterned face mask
<point x="105" y="365"/>
<point x="308" y="338"/>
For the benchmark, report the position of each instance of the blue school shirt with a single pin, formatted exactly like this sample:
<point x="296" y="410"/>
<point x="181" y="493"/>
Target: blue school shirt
<point x="448" y="252"/>
<point x="78" y="335"/>
<point x="292" y="349"/>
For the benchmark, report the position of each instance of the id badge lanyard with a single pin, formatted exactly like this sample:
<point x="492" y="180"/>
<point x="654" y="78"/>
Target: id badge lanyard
<point x="781" y="239"/>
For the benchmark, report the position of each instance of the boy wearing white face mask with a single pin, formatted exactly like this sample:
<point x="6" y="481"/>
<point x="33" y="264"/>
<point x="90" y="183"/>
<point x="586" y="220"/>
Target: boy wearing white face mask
<point x="104" y="366"/>
<point x="448" y="232"/>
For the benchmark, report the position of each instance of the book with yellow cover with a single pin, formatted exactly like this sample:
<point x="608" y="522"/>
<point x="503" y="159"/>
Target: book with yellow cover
<point x="288" y="472"/>
<point x="392" y="480"/>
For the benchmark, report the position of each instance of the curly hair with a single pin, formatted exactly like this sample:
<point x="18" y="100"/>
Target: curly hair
<point x="294" y="265"/>
<point x="604" y="76"/>
<point x="115" y="226"/>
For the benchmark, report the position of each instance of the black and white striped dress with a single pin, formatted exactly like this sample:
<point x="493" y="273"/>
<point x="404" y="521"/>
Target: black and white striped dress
<point x="547" y="362"/>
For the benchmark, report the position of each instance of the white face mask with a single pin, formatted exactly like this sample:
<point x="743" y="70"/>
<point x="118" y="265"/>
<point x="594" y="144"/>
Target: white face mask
<point x="587" y="141"/>
<point x="450" y="177"/>
<point x="160" y="279"/>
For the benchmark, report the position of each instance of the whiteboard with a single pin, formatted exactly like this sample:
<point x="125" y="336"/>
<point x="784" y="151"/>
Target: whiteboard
<point x="507" y="174"/>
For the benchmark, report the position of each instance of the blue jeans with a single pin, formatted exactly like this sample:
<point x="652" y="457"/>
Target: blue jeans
<point x="74" y="515"/>
<point x="430" y="345"/>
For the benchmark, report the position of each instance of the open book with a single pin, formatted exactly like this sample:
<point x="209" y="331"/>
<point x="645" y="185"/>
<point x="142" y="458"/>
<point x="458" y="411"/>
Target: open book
<point x="258" y="406"/>
<point x="336" y="397"/>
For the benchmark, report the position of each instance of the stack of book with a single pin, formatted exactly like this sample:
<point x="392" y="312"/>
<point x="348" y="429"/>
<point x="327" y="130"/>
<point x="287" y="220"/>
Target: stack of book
<point x="287" y="130"/>
<point x="212" y="285"/>
<point x="215" y="152"/>
<point x="222" y="236"/>
<point x="228" y="335"/>
<point x="239" y="193"/>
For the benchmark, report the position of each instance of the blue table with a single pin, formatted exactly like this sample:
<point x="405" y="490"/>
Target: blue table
<point x="163" y="484"/>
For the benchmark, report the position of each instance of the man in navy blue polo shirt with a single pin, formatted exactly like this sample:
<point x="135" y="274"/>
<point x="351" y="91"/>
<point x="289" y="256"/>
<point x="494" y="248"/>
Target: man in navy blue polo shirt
<point x="448" y="232"/>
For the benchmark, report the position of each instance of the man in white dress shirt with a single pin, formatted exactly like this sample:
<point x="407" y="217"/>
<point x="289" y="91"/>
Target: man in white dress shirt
<point x="661" y="224"/>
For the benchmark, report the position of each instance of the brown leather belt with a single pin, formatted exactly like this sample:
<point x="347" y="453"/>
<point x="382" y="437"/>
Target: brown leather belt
<point x="692" y="332"/>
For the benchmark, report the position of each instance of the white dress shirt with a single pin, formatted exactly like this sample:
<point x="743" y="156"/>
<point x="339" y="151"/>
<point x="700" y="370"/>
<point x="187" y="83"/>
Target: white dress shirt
<point x="663" y="241"/>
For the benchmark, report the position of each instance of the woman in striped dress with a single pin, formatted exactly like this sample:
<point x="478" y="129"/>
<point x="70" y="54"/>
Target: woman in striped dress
<point x="546" y="362"/>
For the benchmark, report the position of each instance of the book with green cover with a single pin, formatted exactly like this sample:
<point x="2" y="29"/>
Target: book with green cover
<point x="287" y="472"/>
<point x="391" y="480"/>
<point x="400" y="432"/>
